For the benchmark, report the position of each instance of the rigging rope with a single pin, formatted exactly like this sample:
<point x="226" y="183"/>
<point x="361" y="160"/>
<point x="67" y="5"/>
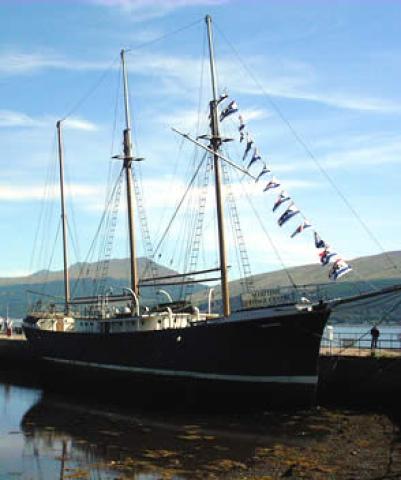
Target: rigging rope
<point x="51" y="257"/>
<point x="309" y="152"/>
<point x="97" y="233"/>
<point x="179" y="205"/>
<point x="163" y="37"/>
<point x="92" y="89"/>
<point x="44" y="201"/>
<point x="283" y="265"/>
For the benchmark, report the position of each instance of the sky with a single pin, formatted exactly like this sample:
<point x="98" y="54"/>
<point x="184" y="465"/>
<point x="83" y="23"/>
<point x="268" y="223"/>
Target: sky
<point x="317" y="82"/>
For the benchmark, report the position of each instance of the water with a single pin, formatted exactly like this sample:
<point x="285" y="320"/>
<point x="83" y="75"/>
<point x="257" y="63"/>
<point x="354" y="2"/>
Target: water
<point x="37" y="435"/>
<point x="359" y="335"/>
<point x="43" y="437"/>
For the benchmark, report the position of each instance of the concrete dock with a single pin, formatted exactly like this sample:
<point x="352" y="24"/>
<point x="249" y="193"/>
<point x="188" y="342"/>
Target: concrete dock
<point x="14" y="350"/>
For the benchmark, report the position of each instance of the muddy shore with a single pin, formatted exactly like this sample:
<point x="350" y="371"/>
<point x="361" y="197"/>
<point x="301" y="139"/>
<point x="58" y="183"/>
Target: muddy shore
<point x="318" y="444"/>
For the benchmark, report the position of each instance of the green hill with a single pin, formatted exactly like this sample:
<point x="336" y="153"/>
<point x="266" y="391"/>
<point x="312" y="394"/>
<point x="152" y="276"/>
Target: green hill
<point x="17" y="292"/>
<point x="369" y="272"/>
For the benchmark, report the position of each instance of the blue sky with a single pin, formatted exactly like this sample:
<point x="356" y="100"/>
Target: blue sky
<point x="331" y="68"/>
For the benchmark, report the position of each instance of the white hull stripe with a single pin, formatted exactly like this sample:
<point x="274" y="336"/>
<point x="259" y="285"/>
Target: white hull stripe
<point x="302" y="379"/>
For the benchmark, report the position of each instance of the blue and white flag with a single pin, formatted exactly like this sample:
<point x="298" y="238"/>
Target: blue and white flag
<point x="241" y="128"/>
<point x="339" y="268"/>
<point x="231" y="108"/>
<point x="249" y="143"/>
<point x="326" y="256"/>
<point x="301" y="228"/>
<point x="255" y="157"/>
<point x="282" y="198"/>
<point x="273" y="183"/>
<point x="222" y="97"/>
<point x="262" y="172"/>
<point x="319" y="243"/>
<point x="291" y="211"/>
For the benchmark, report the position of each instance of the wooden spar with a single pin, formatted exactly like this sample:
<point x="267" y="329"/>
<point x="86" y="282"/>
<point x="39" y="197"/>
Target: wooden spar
<point x="222" y="157"/>
<point x="178" y="275"/>
<point x="215" y="143"/>
<point x="128" y="157"/>
<point x="183" y="282"/>
<point x="67" y="295"/>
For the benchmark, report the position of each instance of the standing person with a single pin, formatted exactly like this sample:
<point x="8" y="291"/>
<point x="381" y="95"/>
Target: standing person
<point x="375" y="332"/>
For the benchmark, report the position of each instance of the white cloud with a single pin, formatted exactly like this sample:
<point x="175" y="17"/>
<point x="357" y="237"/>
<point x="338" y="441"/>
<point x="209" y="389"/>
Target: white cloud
<point x="254" y="114"/>
<point x="75" y="123"/>
<point x="290" y="79"/>
<point x="19" y="63"/>
<point x="142" y="10"/>
<point x="182" y="118"/>
<point x="379" y="154"/>
<point x="293" y="81"/>
<point x="23" y="193"/>
<point x="11" y="119"/>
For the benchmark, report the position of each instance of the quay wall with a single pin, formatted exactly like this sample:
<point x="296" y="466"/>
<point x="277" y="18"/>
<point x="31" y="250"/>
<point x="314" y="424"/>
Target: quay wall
<point x="371" y="381"/>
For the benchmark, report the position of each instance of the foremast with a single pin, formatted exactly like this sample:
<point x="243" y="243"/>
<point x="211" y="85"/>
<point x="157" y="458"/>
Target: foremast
<point x="67" y="293"/>
<point x="128" y="158"/>
<point x="215" y="145"/>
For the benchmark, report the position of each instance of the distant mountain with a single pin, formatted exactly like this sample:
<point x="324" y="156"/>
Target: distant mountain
<point x="369" y="272"/>
<point x="384" y="266"/>
<point x="118" y="269"/>
<point x="18" y="294"/>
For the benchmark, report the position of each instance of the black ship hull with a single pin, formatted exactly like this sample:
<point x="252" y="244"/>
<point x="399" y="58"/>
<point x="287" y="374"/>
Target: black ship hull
<point x="264" y="360"/>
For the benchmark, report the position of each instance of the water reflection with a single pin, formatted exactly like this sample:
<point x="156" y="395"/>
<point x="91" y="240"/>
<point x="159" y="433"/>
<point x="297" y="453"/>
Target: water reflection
<point x="99" y="443"/>
<point x="57" y="437"/>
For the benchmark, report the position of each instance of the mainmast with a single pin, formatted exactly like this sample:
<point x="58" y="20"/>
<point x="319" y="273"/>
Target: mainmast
<point x="215" y="144"/>
<point x="67" y="295"/>
<point x="128" y="158"/>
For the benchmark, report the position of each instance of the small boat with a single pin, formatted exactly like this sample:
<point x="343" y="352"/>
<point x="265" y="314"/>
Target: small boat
<point x="258" y="355"/>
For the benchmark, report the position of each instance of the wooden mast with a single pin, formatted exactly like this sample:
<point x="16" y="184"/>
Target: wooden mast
<point x="128" y="158"/>
<point x="67" y="295"/>
<point x="215" y="144"/>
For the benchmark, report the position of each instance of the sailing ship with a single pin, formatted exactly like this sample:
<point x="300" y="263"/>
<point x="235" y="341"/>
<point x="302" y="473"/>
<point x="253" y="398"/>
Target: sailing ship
<point x="260" y="355"/>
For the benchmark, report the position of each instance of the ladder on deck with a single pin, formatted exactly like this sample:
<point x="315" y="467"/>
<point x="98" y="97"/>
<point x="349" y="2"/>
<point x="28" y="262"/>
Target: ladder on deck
<point x="102" y="268"/>
<point x="196" y="238"/>
<point x="143" y="221"/>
